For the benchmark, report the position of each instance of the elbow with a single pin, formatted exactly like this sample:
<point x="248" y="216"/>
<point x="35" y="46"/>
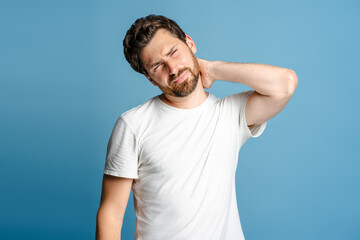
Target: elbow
<point x="108" y="223"/>
<point x="290" y="82"/>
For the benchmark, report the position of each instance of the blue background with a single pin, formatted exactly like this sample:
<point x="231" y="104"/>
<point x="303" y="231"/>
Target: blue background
<point x="64" y="82"/>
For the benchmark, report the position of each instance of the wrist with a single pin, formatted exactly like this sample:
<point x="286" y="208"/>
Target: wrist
<point x="215" y="70"/>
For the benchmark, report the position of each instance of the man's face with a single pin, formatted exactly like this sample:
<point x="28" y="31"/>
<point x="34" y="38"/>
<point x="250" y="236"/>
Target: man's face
<point x="171" y="64"/>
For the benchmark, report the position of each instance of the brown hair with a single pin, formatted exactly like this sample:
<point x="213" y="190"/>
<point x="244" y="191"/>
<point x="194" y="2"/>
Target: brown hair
<point x="140" y="34"/>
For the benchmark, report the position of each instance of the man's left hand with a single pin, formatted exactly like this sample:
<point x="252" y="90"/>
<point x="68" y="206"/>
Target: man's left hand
<point x="207" y="73"/>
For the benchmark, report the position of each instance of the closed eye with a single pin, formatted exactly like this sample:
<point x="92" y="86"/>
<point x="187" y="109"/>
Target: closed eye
<point x="157" y="66"/>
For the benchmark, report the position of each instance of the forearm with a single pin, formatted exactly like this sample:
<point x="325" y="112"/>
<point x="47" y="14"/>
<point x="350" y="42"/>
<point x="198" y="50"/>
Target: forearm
<point x="108" y="226"/>
<point x="266" y="79"/>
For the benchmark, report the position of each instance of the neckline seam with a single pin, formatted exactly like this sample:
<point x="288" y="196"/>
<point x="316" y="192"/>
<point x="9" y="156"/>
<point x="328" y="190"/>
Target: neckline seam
<point x="205" y="102"/>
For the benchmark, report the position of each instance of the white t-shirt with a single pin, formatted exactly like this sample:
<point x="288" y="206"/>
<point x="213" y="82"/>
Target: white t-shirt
<point x="183" y="162"/>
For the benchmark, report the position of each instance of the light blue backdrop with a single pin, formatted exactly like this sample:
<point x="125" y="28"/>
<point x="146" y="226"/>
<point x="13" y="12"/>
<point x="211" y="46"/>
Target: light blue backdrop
<point x="64" y="82"/>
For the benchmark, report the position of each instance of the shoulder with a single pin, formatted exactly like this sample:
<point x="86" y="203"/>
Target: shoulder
<point x="139" y="109"/>
<point x="141" y="112"/>
<point x="237" y="99"/>
<point x="239" y="96"/>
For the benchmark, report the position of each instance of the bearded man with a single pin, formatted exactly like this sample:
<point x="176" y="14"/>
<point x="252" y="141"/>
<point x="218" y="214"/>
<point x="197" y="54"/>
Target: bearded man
<point x="178" y="151"/>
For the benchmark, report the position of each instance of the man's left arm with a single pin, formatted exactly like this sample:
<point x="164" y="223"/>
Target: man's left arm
<point x="273" y="85"/>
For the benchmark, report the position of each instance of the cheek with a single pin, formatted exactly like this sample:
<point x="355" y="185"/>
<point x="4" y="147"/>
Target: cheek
<point x="190" y="59"/>
<point x="160" y="78"/>
<point x="184" y="58"/>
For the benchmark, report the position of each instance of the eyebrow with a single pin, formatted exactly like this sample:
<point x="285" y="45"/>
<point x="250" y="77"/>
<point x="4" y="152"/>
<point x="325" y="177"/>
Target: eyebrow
<point x="167" y="54"/>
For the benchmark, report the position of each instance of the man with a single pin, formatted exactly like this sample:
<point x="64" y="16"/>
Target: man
<point x="178" y="152"/>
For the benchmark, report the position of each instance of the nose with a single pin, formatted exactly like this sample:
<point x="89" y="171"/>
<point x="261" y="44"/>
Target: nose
<point x="173" y="67"/>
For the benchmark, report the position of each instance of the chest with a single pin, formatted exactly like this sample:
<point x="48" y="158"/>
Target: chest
<point x="173" y="146"/>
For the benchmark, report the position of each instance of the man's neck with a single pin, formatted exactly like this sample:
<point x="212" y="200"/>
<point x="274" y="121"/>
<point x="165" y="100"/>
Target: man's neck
<point x="195" y="99"/>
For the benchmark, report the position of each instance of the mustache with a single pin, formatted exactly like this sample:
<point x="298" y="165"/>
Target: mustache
<point x="181" y="71"/>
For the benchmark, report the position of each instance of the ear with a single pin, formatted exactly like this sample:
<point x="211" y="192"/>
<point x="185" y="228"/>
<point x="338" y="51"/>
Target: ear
<point x="190" y="43"/>
<point x="150" y="79"/>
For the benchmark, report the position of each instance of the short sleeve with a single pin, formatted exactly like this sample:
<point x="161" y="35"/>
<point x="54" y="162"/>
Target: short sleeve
<point x="238" y="104"/>
<point x="122" y="152"/>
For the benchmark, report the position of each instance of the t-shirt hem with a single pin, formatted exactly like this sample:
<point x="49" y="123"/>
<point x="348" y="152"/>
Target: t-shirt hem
<point x="120" y="174"/>
<point x="257" y="130"/>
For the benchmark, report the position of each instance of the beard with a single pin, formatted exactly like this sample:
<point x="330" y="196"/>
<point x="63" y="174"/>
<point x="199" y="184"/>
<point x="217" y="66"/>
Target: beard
<point x="186" y="87"/>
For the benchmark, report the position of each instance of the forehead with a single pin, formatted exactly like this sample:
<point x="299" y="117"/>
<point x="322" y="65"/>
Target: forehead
<point x="158" y="46"/>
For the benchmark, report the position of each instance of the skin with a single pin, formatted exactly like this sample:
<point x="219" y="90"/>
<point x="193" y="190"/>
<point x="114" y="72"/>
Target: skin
<point x="273" y="87"/>
<point x="164" y="66"/>
<point x="114" y="198"/>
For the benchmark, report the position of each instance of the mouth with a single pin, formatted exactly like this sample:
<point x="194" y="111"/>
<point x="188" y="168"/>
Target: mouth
<point x="181" y="78"/>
